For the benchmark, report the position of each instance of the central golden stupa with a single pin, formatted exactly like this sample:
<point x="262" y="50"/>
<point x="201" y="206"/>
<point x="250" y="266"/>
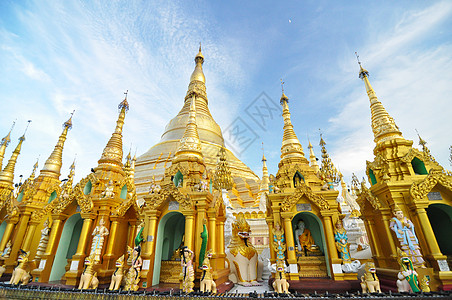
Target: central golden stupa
<point x="151" y="165"/>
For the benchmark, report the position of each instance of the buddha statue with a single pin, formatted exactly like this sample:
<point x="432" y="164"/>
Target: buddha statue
<point x="303" y="237"/>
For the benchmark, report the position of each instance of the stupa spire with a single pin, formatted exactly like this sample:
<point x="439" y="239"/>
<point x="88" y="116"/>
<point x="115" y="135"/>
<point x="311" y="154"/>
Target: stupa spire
<point x="265" y="178"/>
<point x="197" y="84"/>
<point x="4" y="143"/>
<point x="313" y="158"/>
<point x="190" y="144"/>
<point x="328" y="171"/>
<point x="112" y="154"/>
<point x="291" y="146"/>
<point x="7" y="175"/>
<point x="383" y="125"/>
<point x="52" y="166"/>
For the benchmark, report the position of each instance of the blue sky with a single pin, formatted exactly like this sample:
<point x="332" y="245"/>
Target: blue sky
<point x="57" y="56"/>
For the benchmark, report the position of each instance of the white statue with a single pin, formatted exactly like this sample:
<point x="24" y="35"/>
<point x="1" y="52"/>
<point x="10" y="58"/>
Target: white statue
<point x="43" y="241"/>
<point x="99" y="234"/>
<point x="108" y="193"/>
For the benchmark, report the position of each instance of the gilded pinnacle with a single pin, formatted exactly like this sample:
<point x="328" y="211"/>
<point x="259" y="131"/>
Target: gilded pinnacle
<point x="52" y="166"/>
<point x="291" y="146"/>
<point x="383" y="125"/>
<point x="112" y="154"/>
<point x="328" y="171"/>
<point x="4" y="143"/>
<point x="313" y="158"/>
<point x="190" y="144"/>
<point x="197" y="84"/>
<point x="7" y="175"/>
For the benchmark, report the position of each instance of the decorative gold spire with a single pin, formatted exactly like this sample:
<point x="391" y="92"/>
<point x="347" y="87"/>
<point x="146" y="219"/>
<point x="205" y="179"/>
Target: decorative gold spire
<point x="197" y="84"/>
<point x="291" y="146"/>
<point x="112" y="154"/>
<point x="425" y="149"/>
<point x="222" y="178"/>
<point x="35" y="166"/>
<point x="190" y="145"/>
<point x="4" y="143"/>
<point x="327" y="171"/>
<point x="7" y="175"/>
<point x="265" y="179"/>
<point x="52" y="166"/>
<point x="383" y="125"/>
<point x="313" y="158"/>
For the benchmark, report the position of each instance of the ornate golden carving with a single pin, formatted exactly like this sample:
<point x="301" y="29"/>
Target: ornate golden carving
<point x="419" y="190"/>
<point x="304" y="190"/>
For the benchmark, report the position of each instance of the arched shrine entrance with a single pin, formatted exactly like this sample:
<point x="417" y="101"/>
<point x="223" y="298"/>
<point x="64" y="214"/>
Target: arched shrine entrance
<point x="311" y="262"/>
<point x="67" y="246"/>
<point x="170" y="234"/>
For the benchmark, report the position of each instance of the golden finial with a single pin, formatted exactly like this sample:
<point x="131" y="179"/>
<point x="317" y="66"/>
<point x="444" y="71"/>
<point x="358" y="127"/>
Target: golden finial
<point x="4" y="143"/>
<point x="52" y="166"/>
<point x="7" y="139"/>
<point x="112" y="154"/>
<point x="68" y="123"/>
<point x="263" y="153"/>
<point x="7" y="175"/>
<point x="362" y="72"/>
<point x="284" y="99"/>
<point x="383" y="125"/>
<point x="328" y="171"/>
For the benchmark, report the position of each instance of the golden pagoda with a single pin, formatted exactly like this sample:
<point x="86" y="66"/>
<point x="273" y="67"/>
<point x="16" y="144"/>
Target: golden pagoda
<point x="301" y="195"/>
<point x="409" y="202"/>
<point x="151" y="165"/>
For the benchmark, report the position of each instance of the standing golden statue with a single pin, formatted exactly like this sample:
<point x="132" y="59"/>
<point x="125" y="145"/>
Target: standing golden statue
<point x="279" y="241"/>
<point x="99" y="234"/>
<point x="188" y="273"/>
<point x="404" y="230"/>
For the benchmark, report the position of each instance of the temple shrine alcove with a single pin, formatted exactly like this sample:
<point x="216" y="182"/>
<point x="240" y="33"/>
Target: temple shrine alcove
<point x="440" y="217"/>
<point x="170" y="234"/>
<point x="67" y="246"/>
<point x="311" y="257"/>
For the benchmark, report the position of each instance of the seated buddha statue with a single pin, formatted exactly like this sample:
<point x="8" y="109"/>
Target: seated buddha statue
<point x="303" y="237"/>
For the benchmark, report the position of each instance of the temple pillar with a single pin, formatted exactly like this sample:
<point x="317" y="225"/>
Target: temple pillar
<point x="7" y="233"/>
<point x="291" y="255"/>
<point x="429" y="235"/>
<point x="42" y="273"/>
<point x="109" y="256"/>
<point x="335" y="261"/>
<point x="150" y="231"/>
<point x="29" y="235"/>
<point x="212" y="234"/>
<point x="386" y="217"/>
<point x="189" y="228"/>
<point x="131" y="234"/>
<point x="72" y="276"/>
<point x="270" y="232"/>
<point x="19" y="235"/>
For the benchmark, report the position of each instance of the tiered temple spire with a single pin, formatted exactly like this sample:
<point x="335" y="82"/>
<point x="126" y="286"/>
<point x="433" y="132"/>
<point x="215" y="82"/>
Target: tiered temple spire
<point x="265" y="178"/>
<point x="313" y="158"/>
<point x="4" y="143"/>
<point x="197" y="84"/>
<point x="328" y="171"/>
<point x="383" y="125"/>
<point x="112" y="154"/>
<point x="291" y="146"/>
<point x="52" y="166"/>
<point x="190" y="145"/>
<point x="7" y="175"/>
